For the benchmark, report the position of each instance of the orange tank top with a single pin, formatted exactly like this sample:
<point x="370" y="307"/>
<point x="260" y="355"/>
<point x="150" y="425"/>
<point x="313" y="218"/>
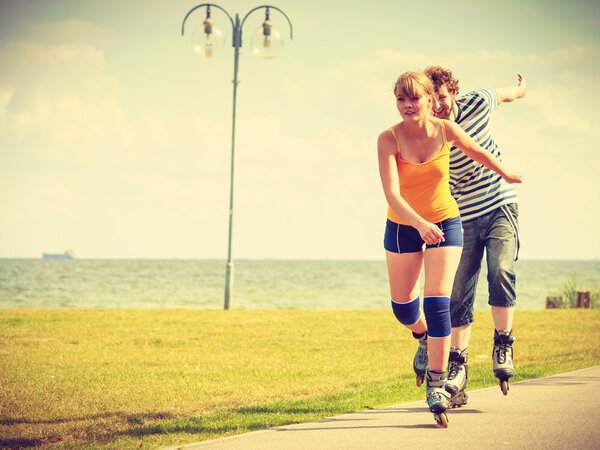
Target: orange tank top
<point x="425" y="186"/>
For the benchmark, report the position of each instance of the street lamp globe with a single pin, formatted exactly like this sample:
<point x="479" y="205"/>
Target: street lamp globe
<point x="208" y="40"/>
<point x="266" y="41"/>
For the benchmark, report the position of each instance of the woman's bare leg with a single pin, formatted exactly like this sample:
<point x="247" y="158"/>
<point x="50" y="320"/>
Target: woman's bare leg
<point x="404" y="270"/>
<point x="440" y="267"/>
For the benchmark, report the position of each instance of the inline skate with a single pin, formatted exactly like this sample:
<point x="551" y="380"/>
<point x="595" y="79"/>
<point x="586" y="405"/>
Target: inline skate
<point x="458" y="375"/>
<point x="502" y="356"/>
<point x="421" y="360"/>
<point x="437" y="397"/>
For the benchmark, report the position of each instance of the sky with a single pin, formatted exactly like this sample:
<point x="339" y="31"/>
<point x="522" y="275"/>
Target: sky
<point x="115" y="138"/>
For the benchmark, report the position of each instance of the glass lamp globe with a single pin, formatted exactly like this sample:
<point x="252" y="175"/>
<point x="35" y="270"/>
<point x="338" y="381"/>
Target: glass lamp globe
<point x="208" y="40"/>
<point x="266" y="42"/>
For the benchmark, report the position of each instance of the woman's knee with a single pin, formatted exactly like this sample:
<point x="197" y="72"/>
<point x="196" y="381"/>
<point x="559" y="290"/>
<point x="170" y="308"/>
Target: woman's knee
<point x="437" y="316"/>
<point x="407" y="313"/>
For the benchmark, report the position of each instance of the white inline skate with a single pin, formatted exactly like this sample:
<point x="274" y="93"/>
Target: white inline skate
<point x="502" y="356"/>
<point x="458" y="375"/>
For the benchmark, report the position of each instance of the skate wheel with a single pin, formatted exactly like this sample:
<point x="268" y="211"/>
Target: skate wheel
<point x="459" y="400"/>
<point x="420" y="379"/>
<point x="442" y="420"/>
<point x="504" y="387"/>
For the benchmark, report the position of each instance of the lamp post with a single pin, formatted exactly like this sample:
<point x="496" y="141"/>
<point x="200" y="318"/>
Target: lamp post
<point x="207" y="41"/>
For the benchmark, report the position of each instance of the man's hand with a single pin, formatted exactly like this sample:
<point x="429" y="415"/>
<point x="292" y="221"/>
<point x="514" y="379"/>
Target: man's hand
<point x="522" y="84"/>
<point x="508" y="94"/>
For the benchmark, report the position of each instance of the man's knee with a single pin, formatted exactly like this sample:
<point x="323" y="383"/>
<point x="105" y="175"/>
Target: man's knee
<point x="502" y="286"/>
<point x="501" y="272"/>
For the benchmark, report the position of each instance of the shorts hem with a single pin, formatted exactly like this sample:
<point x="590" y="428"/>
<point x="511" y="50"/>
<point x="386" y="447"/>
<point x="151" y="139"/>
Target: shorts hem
<point x="504" y="304"/>
<point x="442" y="246"/>
<point x="462" y="323"/>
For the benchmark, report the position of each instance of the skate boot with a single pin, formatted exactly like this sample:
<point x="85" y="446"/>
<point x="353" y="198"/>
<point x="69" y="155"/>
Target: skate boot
<point x="502" y="356"/>
<point x="458" y="374"/>
<point x="437" y="397"/>
<point x="421" y="360"/>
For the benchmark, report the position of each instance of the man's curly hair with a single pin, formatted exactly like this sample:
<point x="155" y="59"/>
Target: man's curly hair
<point x="440" y="76"/>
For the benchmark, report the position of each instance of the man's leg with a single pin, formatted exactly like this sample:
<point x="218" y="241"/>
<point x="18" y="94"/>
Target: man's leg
<point x="465" y="285"/>
<point x="461" y="310"/>
<point x="461" y="336"/>
<point x="501" y="243"/>
<point x="503" y="317"/>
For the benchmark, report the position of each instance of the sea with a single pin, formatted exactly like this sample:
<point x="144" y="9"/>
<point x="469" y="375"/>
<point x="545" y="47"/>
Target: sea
<point x="257" y="284"/>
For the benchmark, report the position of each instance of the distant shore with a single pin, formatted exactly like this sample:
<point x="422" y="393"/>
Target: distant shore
<point x="258" y="284"/>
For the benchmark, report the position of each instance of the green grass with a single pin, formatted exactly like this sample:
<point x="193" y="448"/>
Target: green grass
<point x="154" y="378"/>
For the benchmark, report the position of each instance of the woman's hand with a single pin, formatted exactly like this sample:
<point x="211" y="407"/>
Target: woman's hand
<point x="430" y="233"/>
<point x="511" y="176"/>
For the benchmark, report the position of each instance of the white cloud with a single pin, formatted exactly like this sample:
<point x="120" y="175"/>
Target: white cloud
<point x="65" y="31"/>
<point x="155" y="184"/>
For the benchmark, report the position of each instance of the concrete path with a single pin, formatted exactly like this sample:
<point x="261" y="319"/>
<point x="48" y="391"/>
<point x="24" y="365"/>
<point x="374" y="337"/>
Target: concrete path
<point x="557" y="412"/>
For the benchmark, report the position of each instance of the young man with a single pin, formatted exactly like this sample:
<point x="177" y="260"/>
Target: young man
<point x="489" y="212"/>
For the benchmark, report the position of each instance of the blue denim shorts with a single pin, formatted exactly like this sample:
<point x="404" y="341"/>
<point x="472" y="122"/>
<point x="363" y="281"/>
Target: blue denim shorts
<point x="400" y="238"/>
<point x="497" y="233"/>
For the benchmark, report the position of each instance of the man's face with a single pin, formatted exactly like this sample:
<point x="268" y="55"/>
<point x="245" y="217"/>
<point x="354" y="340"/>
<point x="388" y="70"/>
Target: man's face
<point x="445" y="103"/>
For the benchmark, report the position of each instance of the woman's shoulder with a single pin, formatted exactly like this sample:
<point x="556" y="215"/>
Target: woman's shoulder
<point x="388" y="138"/>
<point x="389" y="133"/>
<point x="449" y="125"/>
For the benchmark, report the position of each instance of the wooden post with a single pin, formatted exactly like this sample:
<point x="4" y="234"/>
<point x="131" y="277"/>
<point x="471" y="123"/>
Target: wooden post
<point x="583" y="300"/>
<point x="554" y="302"/>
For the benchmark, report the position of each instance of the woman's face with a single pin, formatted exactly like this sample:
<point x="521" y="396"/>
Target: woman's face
<point x="411" y="108"/>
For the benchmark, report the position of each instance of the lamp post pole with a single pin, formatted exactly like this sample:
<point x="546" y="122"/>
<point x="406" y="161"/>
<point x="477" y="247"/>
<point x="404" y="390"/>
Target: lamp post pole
<point x="267" y="33"/>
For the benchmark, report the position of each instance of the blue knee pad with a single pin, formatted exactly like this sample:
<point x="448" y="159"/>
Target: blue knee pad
<point x="407" y="313"/>
<point x="437" y="316"/>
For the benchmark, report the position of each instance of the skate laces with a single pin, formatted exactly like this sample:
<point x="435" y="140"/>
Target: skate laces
<point x="453" y="370"/>
<point x="502" y="343"/>
<point x="501" y="352"/>
<point x="436" y="395"/>
<point x="457" y="359"/>
<point x="501" y="346"/>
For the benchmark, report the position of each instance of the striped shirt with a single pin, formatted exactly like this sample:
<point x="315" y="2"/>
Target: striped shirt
<point x="477" y="189"/>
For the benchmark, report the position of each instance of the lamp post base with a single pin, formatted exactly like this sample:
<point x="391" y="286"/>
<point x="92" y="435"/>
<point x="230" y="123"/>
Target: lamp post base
<point x="228" y="283"/>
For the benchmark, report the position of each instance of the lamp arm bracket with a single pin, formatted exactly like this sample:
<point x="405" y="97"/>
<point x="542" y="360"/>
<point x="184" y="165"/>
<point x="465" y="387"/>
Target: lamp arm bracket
<point x="270" y="7"/>
<point x="200" y="6"/>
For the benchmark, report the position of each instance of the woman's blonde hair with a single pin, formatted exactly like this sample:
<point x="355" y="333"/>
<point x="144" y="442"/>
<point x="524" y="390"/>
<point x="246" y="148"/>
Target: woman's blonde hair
<point x="413" y="84"/>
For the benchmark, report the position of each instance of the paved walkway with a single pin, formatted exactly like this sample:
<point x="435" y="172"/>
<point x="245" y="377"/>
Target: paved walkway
<point x="557" y="412"/>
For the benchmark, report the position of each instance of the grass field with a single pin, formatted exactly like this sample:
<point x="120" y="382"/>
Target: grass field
<point x="155" y="378"/>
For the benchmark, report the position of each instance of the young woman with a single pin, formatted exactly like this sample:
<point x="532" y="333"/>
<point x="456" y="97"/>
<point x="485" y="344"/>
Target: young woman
<point x="414" y="170"/>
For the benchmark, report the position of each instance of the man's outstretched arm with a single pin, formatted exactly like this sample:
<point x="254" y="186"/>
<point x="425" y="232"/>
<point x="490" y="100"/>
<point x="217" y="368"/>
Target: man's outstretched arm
<point x="508" y="94"/>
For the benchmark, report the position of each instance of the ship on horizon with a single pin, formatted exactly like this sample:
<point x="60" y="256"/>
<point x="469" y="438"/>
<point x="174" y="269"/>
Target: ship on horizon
<point x="68" y="254"/>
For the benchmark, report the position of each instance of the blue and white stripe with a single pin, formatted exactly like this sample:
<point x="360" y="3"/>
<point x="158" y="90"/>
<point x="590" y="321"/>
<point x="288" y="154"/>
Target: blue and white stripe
<point x="477" y="189"/>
